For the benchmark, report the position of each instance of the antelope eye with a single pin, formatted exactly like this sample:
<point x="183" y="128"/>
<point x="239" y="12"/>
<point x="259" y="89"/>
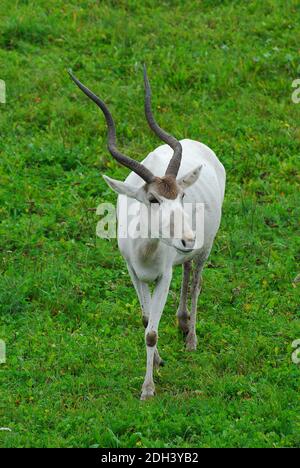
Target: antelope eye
<point x="153" y="200"/>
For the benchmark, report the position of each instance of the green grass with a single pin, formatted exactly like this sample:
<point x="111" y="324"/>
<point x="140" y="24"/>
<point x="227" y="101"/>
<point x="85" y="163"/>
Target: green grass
<point x="221" y="73"/>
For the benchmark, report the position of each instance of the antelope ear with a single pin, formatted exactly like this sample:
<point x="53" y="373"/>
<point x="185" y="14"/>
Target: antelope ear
<point x="190" y="178"/>
<point x="123" y="188"/>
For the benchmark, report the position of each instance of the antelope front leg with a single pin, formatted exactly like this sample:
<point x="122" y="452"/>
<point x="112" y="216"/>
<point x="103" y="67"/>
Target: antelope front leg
<point x="143" y="292"/>
<point x="157" y="360"/>
<point x="158" y="301"/>
<point x="191" y="339"/>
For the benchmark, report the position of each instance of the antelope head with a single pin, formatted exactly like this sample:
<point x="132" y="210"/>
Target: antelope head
<point x="165" y="193"/>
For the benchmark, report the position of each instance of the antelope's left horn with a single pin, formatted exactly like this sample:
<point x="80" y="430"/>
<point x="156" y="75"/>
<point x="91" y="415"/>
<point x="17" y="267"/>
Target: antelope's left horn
<point x="174" y="163"/>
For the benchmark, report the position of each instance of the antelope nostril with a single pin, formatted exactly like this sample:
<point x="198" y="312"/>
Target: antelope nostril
<point x="183" y="243"/>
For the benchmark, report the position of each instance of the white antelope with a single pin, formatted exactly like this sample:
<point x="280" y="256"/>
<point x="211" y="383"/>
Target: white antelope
<point x="168" y="174"/>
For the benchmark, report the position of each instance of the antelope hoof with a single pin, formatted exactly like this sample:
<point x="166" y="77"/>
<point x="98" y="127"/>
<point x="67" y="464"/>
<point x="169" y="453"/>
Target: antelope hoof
<point x="147" y="392"/>
<point x="191" y="342"/>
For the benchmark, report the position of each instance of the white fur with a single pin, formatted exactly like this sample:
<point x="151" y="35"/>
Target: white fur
<point x="208" y="188"/>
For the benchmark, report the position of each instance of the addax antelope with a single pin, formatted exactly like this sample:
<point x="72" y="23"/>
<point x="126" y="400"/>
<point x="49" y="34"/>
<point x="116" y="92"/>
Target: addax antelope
<point x="173" y="176"/>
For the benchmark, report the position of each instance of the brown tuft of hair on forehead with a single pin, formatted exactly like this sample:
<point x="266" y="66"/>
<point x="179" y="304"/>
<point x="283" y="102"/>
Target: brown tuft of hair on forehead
<point x="166" y="186"/>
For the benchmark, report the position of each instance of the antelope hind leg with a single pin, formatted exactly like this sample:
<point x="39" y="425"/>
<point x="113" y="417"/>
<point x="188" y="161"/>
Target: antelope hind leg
<point x="183" y="316"/>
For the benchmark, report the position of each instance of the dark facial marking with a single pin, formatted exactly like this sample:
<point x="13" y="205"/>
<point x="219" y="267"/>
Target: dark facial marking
<point x="165" y="186"/>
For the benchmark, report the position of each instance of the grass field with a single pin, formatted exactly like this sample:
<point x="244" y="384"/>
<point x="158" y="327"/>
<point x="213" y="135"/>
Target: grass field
<point x="221" y="73"/>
